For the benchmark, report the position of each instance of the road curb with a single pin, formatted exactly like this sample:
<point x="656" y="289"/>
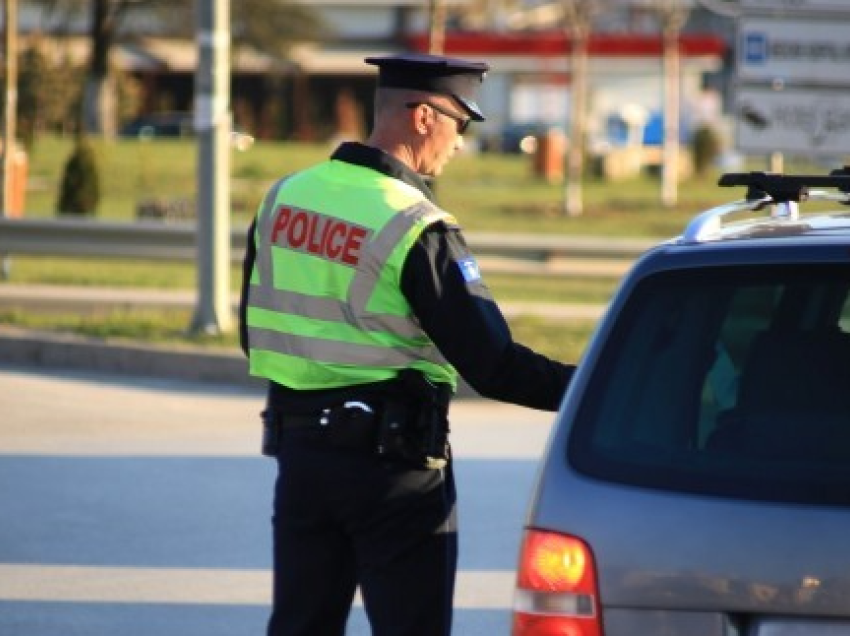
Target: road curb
<point x="20" y="347"/>
<point x="48" y="350"/>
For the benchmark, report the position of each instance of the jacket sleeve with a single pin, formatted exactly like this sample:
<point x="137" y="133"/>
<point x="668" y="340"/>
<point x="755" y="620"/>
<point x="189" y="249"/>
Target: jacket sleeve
<point x="442" y="283"/>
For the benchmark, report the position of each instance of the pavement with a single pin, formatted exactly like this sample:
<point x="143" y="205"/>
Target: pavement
<point x="135" y="501"/>
<point x="141" y="507"/>
<point x="42" y="349"/>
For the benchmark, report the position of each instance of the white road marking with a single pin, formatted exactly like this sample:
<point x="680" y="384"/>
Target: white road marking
<point x="77" y="584"/>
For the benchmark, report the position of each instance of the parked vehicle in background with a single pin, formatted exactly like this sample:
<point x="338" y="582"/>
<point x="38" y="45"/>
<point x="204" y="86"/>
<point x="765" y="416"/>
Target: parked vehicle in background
<point x="177" y="125"/>
<point x="167" y="124"/>
<point x="697" y="480"/>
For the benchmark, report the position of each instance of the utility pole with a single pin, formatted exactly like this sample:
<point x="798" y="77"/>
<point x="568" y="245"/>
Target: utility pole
<point x="213" y="313"/>
<point x="579" y="14"/>
<point x="673" y="16"/>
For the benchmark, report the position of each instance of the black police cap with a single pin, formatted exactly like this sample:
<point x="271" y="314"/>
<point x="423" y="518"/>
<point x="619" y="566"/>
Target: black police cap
<point x="457" y="78"/>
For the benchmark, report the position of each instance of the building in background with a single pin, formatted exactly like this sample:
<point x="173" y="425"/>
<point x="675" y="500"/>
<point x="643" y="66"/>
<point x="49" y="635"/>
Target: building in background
<point x="323" y="91"/>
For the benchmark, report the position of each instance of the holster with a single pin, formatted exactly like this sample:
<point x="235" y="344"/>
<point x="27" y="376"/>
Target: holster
<point x="414" y="425"/>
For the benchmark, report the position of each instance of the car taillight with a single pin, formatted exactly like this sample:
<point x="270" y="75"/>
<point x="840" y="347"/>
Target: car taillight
<point x="556" y="591"/>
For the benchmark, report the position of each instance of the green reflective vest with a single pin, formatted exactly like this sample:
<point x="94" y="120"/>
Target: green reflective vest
<point x="325" y="307"/>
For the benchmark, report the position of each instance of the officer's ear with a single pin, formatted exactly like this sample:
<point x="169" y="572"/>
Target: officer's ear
<point x="421" y="118"/>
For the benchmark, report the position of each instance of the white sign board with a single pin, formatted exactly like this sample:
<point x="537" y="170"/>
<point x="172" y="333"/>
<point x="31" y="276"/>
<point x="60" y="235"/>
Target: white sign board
<point x="794" y="50"/>
<point x="793" y="120"/>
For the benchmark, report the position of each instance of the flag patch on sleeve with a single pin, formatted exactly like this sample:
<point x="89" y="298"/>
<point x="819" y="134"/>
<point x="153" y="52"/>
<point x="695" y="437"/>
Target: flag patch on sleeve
<point x="469" y="270"/>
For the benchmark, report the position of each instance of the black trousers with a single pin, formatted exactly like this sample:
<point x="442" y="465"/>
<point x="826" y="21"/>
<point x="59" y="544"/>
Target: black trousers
<point x="343" y="519"/>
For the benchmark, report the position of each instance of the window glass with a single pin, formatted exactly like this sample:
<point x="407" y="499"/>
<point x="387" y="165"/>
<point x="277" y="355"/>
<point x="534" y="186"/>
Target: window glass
<point x="728" y="381"/>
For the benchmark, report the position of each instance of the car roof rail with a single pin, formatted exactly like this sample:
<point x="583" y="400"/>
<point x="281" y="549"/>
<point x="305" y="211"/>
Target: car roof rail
<point x="782" y="191"/>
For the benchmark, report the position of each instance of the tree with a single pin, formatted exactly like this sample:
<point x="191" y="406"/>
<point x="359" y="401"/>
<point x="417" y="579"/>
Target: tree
<point x="267" y="25"/>
<point x="274" y="25"/>
<point x="33" y="70"/>
<point x="48" y="93"/>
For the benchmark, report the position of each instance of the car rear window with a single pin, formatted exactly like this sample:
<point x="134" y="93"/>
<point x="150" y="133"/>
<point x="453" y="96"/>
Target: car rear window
<point x="731" y="381"/>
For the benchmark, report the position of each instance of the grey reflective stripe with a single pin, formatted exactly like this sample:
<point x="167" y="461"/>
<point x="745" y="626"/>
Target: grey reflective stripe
<point x="264" y="297"/>
<point x="330" y="351"/>
<point x="373" y="261"/>
<point x="265" y="224"/>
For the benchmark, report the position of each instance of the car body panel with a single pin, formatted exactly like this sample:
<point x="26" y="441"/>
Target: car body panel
<point x="621" y="621"/>
<point x="672" y="562"/>
<point x="730" y="547"/>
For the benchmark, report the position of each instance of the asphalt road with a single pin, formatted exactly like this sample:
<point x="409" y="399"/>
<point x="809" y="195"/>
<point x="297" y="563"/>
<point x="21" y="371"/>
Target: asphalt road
<point x="141" y="507"/>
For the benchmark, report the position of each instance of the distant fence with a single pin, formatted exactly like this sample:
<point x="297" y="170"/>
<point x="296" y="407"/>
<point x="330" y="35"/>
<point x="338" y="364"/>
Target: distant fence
<point x="150" y="240"/>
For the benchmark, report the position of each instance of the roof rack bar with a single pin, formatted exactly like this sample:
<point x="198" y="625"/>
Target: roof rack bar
<point x="823" y="195"/>
<point x="709" y="222"/>
<point x="706" y="225"/>
<point x="782" y="188"/>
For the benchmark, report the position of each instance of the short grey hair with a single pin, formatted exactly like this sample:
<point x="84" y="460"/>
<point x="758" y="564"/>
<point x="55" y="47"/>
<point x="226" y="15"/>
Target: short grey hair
<point x="390" y="101"/>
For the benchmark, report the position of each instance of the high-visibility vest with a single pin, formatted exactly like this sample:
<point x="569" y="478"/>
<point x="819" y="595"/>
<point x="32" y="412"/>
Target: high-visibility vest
<point x="325" y="307"/>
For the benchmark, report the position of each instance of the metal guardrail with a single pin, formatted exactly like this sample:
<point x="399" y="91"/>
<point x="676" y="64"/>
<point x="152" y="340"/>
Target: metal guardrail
<point x="154" y="240"/>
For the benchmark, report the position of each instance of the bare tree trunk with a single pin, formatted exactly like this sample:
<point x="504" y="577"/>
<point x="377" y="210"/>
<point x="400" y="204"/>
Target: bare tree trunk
<point x="437" y="27"/>
<point x="579" y="14"/>
<point x="10" y="47"/>
<point x="673" y="15"/>
<point x="98" y="107"/>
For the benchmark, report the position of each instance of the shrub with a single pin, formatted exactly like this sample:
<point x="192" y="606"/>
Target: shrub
<point x="705" y="147"/>
<point x="80" y="189"/>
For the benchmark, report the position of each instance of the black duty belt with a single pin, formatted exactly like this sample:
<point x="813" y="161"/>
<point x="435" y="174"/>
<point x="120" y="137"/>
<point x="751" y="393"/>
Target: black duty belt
<point x="325" y="417"/>
<point x="411" y="427"/>
<point x="351" y="425"/>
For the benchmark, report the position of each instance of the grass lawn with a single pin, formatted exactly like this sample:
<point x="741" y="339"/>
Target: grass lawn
<point x="487" y="193"/>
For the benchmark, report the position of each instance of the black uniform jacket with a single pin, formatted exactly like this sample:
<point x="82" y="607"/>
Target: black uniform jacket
<point x="453" y="306"/>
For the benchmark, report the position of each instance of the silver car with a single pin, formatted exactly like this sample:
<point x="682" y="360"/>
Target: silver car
<point x="697" y="480"/>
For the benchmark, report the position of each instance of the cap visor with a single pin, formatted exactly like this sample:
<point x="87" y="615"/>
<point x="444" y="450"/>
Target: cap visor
<point x="470" y="107"/>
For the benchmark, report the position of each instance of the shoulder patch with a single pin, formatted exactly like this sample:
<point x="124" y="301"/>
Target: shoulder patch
<point x="469" y="270"/>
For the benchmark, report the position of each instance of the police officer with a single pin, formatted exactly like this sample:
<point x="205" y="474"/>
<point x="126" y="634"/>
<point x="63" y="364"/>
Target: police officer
<point x="362" y="305"/>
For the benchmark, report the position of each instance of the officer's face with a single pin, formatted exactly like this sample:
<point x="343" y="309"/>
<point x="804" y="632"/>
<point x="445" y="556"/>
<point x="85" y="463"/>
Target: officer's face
<point x="444" y="140"/>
